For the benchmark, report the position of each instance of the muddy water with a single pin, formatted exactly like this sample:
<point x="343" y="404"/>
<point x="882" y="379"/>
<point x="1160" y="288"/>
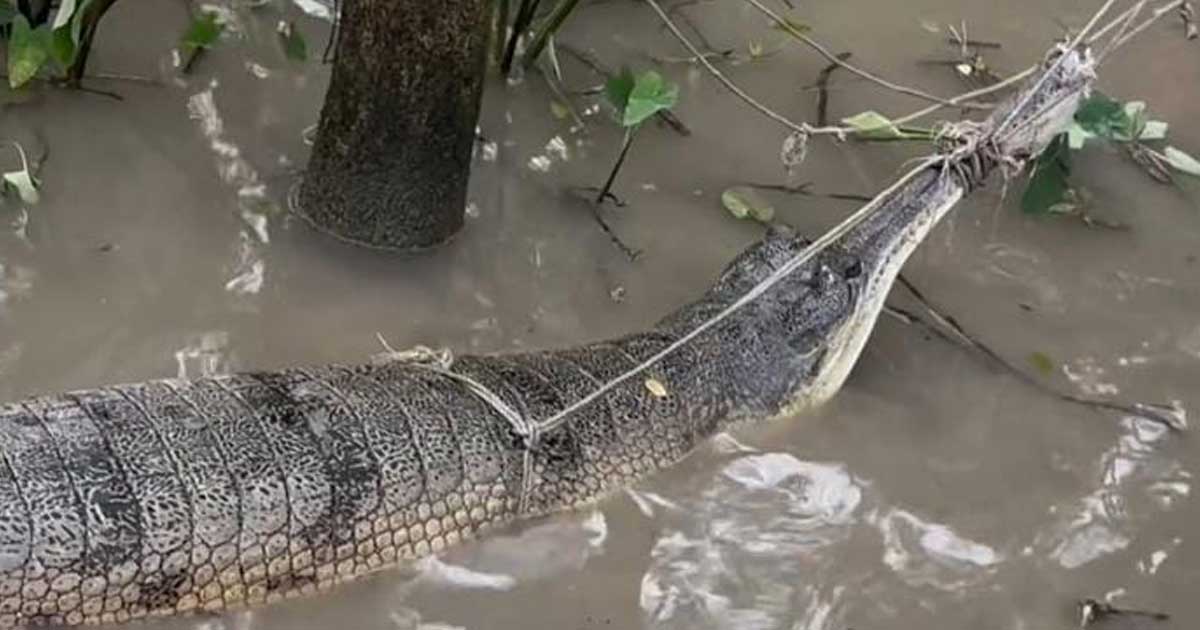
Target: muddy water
<point x="934" y="492"/>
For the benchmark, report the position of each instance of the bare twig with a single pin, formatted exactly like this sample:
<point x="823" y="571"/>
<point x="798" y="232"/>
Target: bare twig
<point x="824" y="52"/>
<point x="974" y="43"/>
<point x="962" y="100"/>
<point x="596" y="206"/>
<point x="1126" y="23"/>
<point x="1119" y="20"/>
<point x="525" y="13"/>
<point x="948" y="328"/>
<point x="805" y="128"/>
<point x="131" y="78"/>
<point x="804" y="189"/>
<point x="823" y="89"/>
<point x="719" y="76"/>
<point x="335" y="33"/>
<point x="1154" y="16"/>
<point x="66" y="85"/>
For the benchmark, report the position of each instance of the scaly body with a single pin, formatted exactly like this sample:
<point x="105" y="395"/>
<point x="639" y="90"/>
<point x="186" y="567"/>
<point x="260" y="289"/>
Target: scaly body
<point x="171" y="496"/>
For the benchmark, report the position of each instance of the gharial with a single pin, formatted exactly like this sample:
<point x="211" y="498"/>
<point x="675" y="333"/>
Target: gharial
<point x="173" y="496"/>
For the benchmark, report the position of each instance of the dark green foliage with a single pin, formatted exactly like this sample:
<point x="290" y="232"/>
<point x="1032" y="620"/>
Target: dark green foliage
<point x="1048" y="184"/>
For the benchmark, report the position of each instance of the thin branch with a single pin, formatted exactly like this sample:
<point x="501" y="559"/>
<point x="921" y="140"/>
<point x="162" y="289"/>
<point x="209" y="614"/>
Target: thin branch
<point x="131" y="78"/>
<point x="719" y="76"/>
<point x="824" y="52"/>
<point x="823" y="89"/>
<point x="948" y="328"/>
<point x="805" y="128"/>
<point x="804" y="189"/>
<point x="984" y="91"/>
<point x="1126" y="22"/>
<point x="1154" y="16"/>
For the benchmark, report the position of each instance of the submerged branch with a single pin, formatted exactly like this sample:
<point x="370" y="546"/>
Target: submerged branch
<point x="949" y="329"/>
<point x="823" y="89"/>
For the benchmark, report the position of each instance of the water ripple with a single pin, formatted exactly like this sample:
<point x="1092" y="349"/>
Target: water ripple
<point x="762" y="546"/>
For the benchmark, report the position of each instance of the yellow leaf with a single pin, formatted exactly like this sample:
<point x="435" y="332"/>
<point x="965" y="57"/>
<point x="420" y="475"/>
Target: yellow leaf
<point x="656" y="388"/>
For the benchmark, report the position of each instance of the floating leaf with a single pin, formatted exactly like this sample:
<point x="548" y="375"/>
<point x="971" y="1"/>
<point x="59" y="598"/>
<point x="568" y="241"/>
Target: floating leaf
<point x="650" y="95"/>
<point x="1182" y="161"/>
<point x="21" y="180"/>
<point x="559" y="110"/>
<point x="1042" y="362"/>
<point x="656" y="388"/>
<point x="28" y="51"/>
<point x="294" y="46"/>
<point x="744" y="204"/>
<point x="23" y="183"/>
<point x="203" y="32"/>
<point x="1048" y="185"/>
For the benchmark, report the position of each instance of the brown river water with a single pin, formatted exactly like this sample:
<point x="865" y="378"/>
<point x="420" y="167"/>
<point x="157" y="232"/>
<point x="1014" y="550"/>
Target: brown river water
<point x="934" y="492"/>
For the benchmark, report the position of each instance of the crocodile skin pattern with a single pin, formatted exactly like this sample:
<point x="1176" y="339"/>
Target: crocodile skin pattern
<point x="173" y="496"/>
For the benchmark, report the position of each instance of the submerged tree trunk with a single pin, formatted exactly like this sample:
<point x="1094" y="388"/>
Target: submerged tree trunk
<point x="392" y="157"/>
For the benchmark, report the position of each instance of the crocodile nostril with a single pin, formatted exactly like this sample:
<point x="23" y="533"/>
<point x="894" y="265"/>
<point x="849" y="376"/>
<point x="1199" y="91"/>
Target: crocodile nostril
<point x="853" y="271"/>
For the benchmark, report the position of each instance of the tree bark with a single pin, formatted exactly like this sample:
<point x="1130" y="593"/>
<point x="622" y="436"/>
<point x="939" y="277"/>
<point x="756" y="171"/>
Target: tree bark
<point x="391" y="161"/>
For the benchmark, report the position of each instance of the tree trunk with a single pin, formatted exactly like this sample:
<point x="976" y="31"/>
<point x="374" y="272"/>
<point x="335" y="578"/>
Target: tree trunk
<point x="392" y="157"/>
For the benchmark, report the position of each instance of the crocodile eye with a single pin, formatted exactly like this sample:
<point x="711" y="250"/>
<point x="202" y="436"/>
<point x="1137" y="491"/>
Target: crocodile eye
<point x="853" y="271"/>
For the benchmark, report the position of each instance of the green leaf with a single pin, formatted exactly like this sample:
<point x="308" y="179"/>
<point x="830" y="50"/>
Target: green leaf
<point x="294" y="46"/>
<point x="618" y="88"/>
<point x="638" y="97"/>
<point x="1153" y="130"/>
<point x="1182" y="161"/>
<point x="28" y="51"/>
<point x="202" y="32"/>
<point x="1077" y="136"/>
<point x="23" y="183"/>
<point x="62" y="47"/>
<point x="1042" y="362"/>
<point x="744" y="204"/>
<point x="66" y="9"/>
<point x="1104" y="117"/>
<point x="871" y="125"/>
<point x="77" y="21"/>
<point x="650" y="95"/>
<point x="1048" y="186"/>
<point x="21" y="180"/>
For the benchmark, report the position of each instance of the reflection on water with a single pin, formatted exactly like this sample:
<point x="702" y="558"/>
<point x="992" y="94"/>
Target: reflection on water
<point x="1134" y="482"/>
<point x="758" y="546"/>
